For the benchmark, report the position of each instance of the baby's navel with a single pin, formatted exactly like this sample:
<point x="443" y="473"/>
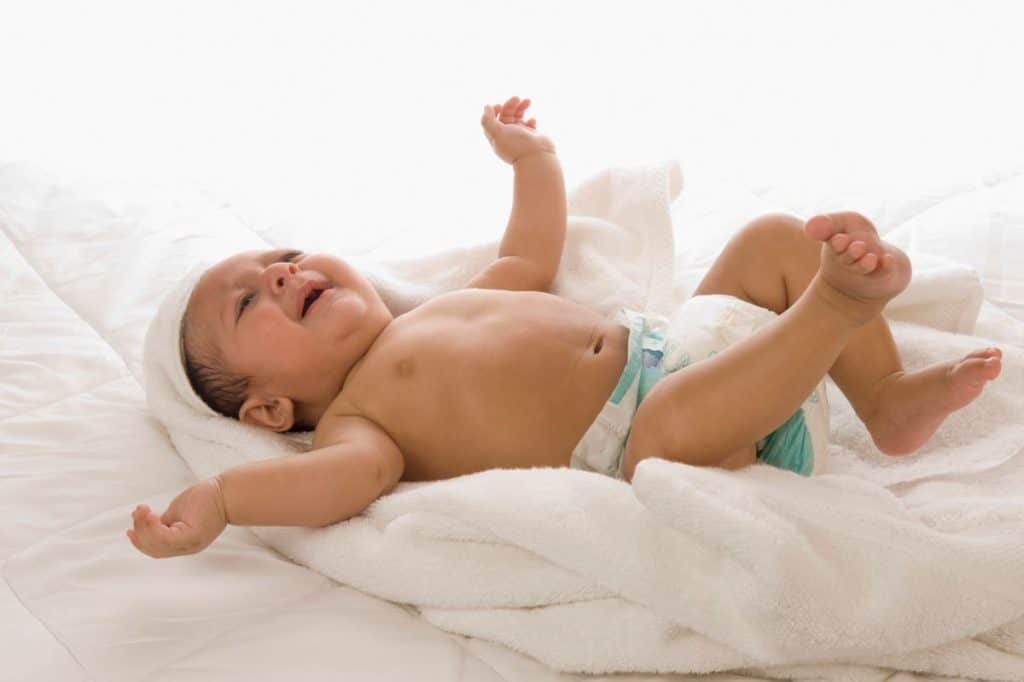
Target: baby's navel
<point x="404" y="368"/>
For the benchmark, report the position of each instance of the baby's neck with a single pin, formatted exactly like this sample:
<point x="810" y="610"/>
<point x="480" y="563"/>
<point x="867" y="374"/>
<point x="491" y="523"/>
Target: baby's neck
<point x="310" y="413"/>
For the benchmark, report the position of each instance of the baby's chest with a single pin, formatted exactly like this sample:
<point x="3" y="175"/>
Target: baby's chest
<point x="465" y="370"/>
<point x="470" y="402"/>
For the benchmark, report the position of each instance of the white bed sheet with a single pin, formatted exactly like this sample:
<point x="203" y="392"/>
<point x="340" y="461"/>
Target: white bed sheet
<point x="83" y="266"/>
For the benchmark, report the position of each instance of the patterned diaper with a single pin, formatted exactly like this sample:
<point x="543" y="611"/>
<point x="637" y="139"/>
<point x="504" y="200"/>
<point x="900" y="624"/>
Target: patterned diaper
<point x="701" y="327"/>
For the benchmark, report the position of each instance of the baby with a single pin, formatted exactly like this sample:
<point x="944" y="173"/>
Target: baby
<point x="503" y="374"/>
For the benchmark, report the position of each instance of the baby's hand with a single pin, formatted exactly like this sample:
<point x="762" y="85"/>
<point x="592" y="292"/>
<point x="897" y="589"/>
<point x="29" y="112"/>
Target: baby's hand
<point x="192" y="521"/>
<point x="511" y="138"/>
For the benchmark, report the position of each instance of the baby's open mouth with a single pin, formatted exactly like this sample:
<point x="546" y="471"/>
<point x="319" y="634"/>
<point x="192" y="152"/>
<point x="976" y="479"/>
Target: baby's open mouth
<point x="313" y="295"/>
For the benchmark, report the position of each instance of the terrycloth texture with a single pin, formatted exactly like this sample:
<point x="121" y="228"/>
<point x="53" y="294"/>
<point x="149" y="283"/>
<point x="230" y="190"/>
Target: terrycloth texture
<point x="690" y="569"/>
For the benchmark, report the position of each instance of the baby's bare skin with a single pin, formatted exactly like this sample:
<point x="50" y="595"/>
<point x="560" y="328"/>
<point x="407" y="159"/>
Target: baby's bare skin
<point x="502" y="374"/>
<point x="481" y="379"/>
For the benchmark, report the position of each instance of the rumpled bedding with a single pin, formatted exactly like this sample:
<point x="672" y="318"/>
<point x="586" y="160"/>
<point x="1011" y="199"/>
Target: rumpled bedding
<point x="759" y="538"/>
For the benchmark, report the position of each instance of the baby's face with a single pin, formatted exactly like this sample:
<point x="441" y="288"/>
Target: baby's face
<point x="255" y="306"/>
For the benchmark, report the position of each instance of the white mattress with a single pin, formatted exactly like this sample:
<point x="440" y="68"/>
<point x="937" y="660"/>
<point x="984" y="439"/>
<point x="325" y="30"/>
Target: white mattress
<point x="83" y="267"/>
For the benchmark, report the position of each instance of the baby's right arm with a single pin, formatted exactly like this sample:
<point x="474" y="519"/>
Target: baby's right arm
<point x="355" y="463"/>
<point x="317" y="488"/>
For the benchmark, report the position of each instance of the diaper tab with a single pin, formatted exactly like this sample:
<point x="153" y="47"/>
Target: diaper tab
<point x="646" y="351"/>
<point x="652" y="354"/>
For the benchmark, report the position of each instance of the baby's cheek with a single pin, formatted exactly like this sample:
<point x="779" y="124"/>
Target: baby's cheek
<point x="347" y="315"/>
<point x="284" y="360"/>
<point x="273" y="342"/>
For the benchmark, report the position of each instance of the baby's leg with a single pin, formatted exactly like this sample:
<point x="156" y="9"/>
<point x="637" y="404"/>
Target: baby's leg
<point x="772" y="261"/>
<point x="711" y="410"/>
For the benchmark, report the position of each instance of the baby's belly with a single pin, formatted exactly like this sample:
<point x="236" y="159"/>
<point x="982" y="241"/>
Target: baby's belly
<point x="509" y="388"/>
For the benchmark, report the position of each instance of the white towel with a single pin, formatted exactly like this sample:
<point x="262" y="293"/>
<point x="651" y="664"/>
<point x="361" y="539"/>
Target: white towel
<point x="689" y="569"/>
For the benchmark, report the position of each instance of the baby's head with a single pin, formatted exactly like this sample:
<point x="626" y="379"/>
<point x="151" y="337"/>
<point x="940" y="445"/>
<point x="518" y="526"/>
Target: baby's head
<point x="270" y="336"/>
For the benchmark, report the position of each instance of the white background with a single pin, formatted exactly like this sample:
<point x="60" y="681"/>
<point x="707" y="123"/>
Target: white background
<point x="364" y="117"/>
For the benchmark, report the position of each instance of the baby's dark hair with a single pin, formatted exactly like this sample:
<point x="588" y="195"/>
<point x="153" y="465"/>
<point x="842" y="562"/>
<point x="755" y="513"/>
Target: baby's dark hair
<point x="222" y="390"/>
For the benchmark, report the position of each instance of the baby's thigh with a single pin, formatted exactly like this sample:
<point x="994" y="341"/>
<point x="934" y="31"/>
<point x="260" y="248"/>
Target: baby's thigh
<point x="675" y="420"/>
<point x="744" y="457"/>
<point x="671" y="424"/>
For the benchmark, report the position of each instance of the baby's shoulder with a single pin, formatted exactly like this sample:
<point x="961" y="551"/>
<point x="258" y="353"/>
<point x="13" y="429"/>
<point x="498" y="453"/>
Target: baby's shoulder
<point x="345" y="422"/>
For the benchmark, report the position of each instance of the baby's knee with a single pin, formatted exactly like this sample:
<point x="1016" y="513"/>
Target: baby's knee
<point x="772" y="230"/>
<point x="780" y="238"/>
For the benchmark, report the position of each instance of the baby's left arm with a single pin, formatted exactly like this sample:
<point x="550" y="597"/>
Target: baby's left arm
<point x="536" y="226"/>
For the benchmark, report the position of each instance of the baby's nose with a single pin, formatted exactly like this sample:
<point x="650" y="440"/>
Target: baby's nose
<point x="280" y="273"/>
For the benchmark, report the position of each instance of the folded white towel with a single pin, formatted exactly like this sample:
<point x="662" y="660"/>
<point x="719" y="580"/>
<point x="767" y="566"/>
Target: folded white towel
<point x="688" y="569"/>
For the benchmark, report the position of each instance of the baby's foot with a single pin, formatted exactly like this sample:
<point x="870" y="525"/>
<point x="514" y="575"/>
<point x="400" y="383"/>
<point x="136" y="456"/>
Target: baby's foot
<point x="856" y="263"/>
<point x="912" y="405"/>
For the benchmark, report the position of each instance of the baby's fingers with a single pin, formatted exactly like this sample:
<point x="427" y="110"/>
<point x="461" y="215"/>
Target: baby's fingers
<point x="489" y="122"/>
<point x="153" y="538"/>
<point x="512" y="111"/>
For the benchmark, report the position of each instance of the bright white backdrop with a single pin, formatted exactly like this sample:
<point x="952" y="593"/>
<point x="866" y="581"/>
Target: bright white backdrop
<point x="362" y="119"/>
<point x="366" y="115"/>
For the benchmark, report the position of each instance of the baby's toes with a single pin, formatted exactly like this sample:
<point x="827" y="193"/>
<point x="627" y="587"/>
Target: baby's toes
<point x="821" y="228"/>
<point x="839" y="242"/>
<point x="985" y="353"/>
<point x="975" y="371"/>
<point x="854" y="252"/>
<point x="868" y="263"/>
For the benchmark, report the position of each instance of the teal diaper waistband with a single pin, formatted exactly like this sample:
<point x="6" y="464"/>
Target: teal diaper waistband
<point x="646" y="351"/>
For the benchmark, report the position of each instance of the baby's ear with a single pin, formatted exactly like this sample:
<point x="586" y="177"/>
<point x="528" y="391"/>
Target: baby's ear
<point x="276" y="414"/>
